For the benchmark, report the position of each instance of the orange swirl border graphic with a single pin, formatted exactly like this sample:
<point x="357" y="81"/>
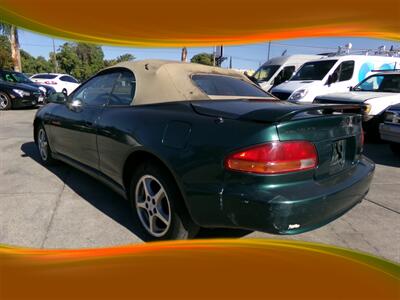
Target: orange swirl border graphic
<point x="174" y="23"/>
<point x="199" y="269"/>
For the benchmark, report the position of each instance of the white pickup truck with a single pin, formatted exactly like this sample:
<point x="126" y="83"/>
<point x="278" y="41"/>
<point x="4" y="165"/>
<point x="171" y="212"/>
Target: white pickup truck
<point x="375" y="93"/>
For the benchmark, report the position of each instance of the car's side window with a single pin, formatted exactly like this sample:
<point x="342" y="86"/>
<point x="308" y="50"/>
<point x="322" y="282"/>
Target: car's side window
<point x="68" y="79"/>
<point x="124" y="89"/>
<point x="72" y="79"/>
<point x="345" y="70"/>
<point x="284" y="75"/>
<point x="97" y="90"/>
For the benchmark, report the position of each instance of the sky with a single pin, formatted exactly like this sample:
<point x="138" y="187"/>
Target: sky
<point x="248" y="56"/>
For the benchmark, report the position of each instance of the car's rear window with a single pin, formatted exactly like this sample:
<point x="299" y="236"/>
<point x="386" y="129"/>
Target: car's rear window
<point x="220" y="85"/>
<point x="44" y="76"/>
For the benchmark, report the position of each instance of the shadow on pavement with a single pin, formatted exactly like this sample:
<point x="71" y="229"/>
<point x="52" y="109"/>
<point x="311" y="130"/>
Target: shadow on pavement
<point x="97" y="194"/>
<point x="106" y="200"/>
<point x="381" y="154"/>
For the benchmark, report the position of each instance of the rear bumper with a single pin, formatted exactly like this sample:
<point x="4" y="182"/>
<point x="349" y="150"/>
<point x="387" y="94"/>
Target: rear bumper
<point x="296" y="207"/>
<point x="390" y="132"/>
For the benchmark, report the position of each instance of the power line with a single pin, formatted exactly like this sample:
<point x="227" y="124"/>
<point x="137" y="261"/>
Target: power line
<point x="245" y="58"/>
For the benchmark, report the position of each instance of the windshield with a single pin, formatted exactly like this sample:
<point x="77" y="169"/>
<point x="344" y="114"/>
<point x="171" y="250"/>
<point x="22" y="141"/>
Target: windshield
<point x="380" y="83"/>
<point x="264" y="73"/>
<point x="314" y="70"/>
<point x="15" y="77"/>
<point x="219" y="85"/>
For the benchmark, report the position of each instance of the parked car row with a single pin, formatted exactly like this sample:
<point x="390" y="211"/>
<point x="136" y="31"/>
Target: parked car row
<point x="370" y="81"/>
<point x="17" y="90"/>
<point x="331" y="75"/>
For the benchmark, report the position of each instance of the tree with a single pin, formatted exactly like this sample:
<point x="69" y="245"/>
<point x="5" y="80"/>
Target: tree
<point x="5" y="49"/>
<point x="11" y="32"/>
<point x="91" y="58"/>
<point x="81" y="60"/>
<point x="68" y="60"/>
<point x="203" y="58"/>
<point x="32" y="65"/>
<point x="125" y="57"/>
<point x="121" y="58"/>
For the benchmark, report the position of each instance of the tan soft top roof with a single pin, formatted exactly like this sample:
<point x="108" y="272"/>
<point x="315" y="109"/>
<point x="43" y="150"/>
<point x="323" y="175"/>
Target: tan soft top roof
<point x="159" y="81"/>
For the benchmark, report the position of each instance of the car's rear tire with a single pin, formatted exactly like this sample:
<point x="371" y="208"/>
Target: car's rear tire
<point x="158" y="205"/>
<point x="5" y="101"/>
<point x="43" y="146"/>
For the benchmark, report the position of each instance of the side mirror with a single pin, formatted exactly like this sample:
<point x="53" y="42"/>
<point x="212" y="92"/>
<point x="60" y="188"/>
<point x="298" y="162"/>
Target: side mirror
<point x="351" y="88"/>
<point x="75" y="105"/>
<point x="57" y="98"/>
<point x="332" y="78"/>
<point x="278" y="80"/>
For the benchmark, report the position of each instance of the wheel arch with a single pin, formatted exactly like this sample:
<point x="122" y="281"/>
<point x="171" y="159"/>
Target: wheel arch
<point x="142" y="155"/>
<point x="36" y="124"/>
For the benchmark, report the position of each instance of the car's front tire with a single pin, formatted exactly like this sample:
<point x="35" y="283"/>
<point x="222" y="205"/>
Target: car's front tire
<point x="158" y="205"/>
<point x="5" y="101"/>
<point x="43" y="146"/>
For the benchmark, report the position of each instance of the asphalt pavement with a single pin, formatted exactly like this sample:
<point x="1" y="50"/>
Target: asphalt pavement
<point x="60" y="207"/>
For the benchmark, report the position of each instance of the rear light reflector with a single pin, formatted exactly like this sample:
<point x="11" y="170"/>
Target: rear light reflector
<point x="274" y="158"/>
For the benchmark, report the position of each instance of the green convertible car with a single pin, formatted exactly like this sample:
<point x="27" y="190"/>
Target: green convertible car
<point x="194" y="146"/>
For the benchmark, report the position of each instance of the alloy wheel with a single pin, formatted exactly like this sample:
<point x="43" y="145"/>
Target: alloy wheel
<point x="42" y="144"/>
<point x="153" y="206"/>
<point x="3" y="101"/>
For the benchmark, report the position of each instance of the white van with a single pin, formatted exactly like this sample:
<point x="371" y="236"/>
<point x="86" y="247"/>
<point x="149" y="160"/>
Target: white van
<point x="280" y="69"/>
<point x="331" y="75"/>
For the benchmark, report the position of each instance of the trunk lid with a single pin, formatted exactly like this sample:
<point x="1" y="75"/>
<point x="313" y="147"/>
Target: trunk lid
<point x="335" y="130"/>
<point x="337" y="138"/>
<point x="265" y="110"/>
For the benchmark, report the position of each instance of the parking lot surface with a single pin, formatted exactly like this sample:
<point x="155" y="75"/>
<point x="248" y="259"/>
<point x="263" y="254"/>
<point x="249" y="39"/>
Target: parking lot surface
<point x="60" y="207"/>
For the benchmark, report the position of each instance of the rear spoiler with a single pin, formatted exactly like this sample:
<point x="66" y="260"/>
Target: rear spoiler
<point x="324" y="109"/>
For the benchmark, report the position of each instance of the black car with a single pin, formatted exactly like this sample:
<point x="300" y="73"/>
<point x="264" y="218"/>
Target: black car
<point x="17" y="90"/>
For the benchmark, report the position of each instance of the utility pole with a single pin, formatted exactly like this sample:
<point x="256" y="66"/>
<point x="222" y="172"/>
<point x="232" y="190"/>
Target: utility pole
<point x="184" y="54"/>
<point x="214" y="53"/>
<point x="54" y="58"/>
<point x="230" y="63"/>
<point x="269" y="49"/>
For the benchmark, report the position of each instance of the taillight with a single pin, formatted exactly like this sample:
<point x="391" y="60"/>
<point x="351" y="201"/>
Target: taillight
<point x="274" y="157"/>
<point x="50" y="82"/>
